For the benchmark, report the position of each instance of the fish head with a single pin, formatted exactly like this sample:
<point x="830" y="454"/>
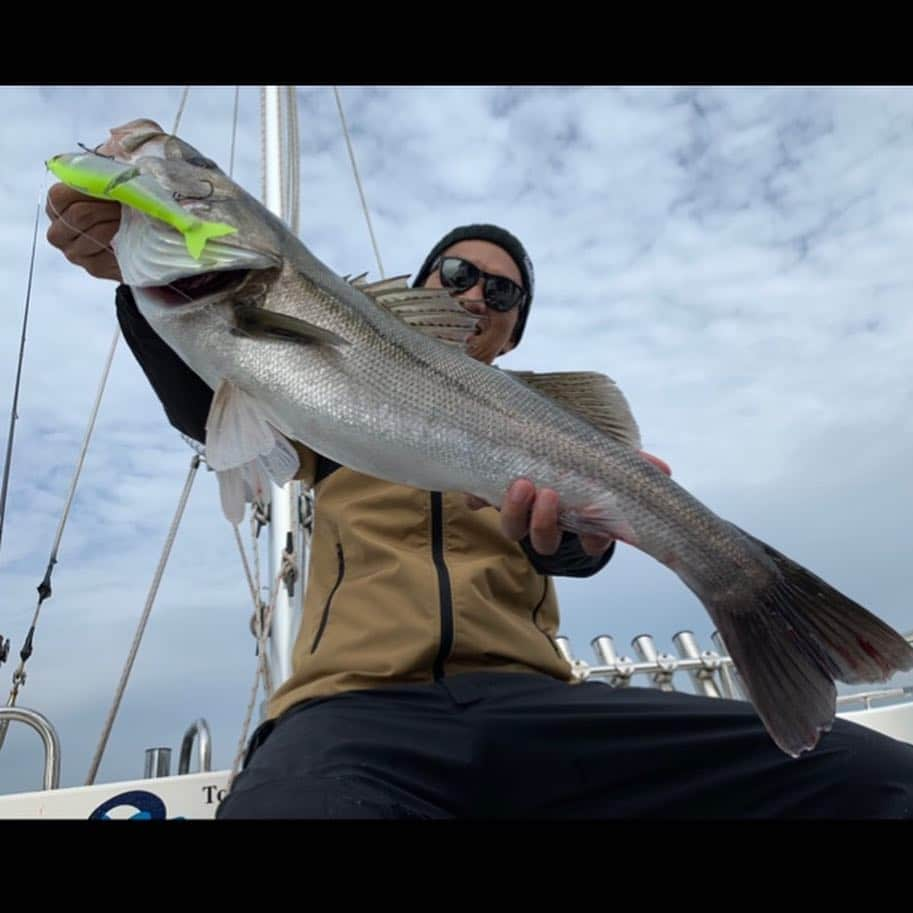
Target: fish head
<point x="190" y="193"/>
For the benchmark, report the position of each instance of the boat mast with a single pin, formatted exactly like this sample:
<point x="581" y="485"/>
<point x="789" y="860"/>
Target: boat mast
<point x="280" y="189"/>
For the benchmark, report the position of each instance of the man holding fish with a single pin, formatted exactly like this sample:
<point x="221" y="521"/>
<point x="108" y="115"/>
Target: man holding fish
<point x="426" y="680"/>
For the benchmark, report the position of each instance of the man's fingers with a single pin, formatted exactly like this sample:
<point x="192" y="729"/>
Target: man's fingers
<point x="59" y="199"/>
<point x="83" y="216"/>
<point x="93" y="242"/>
<point x="102" y="266"/>
<point x="515" y="509"/>
<point x="544" y="533"/>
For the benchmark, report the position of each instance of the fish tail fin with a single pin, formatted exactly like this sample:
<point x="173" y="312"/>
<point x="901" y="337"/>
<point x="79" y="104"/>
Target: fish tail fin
<point x="795" y="640"/>
<point x="200" y="232"/>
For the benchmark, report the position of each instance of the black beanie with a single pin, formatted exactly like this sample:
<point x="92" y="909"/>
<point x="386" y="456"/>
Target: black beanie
<point x="505" y="240"/>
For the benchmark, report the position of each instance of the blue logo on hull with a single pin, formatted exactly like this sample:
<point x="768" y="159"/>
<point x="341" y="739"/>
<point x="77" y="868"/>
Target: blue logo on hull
<point x="149" y="807"/>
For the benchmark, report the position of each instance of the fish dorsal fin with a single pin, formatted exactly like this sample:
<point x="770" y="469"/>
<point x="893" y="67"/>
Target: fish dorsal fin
<point x="594" y="397"/>
<point x="432" y="311"/>
<point x="382" y="285"/>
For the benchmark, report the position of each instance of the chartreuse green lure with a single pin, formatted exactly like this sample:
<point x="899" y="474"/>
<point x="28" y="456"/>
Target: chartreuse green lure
<point x="108" y="179"/>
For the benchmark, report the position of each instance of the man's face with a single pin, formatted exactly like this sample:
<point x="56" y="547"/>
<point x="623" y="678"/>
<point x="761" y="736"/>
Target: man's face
<point x="493" y="336"/>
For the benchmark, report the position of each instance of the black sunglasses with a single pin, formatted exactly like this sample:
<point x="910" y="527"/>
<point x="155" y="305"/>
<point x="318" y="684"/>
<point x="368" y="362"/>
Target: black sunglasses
<point x="500" y="293"/>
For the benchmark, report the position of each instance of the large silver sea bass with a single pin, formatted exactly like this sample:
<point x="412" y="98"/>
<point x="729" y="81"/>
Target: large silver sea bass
<point x="375" y="378"/>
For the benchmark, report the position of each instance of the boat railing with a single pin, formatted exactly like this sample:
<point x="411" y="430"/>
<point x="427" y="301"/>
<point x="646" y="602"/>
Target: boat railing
<point x="42" y="725"/>
<point x="712" y="672"/>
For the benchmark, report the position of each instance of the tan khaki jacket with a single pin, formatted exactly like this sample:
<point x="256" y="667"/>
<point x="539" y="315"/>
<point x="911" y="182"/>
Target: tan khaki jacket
<point x="408" y="586"/>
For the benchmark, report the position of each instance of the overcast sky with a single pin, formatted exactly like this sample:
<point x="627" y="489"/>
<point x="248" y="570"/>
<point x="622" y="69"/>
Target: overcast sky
<point x="736" y="258"/>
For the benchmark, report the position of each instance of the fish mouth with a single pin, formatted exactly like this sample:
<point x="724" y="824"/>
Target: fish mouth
<point x="197" y="288"/>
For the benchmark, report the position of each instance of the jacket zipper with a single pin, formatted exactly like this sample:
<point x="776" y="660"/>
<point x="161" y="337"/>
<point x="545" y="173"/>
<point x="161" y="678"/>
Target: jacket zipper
<point x="551" y="643"/>
<point x="326" y="608"/>
<point x="443" y="583"/>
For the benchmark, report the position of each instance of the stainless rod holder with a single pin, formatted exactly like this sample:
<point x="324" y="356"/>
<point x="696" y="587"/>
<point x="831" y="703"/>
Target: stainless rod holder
<point x="158" y="763"/>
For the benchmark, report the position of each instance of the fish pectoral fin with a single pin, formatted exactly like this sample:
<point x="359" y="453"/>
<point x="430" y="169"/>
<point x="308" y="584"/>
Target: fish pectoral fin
<point x="595" y="397"/>
<point x="257" y="321"/>
<point x="431" y="311"/>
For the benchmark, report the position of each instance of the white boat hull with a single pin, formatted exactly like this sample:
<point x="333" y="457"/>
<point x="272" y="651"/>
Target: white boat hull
<point x="895" y="720"/>
<point x="194" y="796"/>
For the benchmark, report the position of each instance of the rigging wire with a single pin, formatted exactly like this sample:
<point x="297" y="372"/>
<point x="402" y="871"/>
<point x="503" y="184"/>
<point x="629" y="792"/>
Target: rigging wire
<point x="177" y="118"/>
<point x="14" y="410"/>
<point x="234" y="133"/>
<point x="144" y="618"/>
<point x="44" y="588"/>
<point x="361" y="192"/>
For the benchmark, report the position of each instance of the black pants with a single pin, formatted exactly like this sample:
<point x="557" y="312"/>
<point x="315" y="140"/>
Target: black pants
<point x="505" y="745"/>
